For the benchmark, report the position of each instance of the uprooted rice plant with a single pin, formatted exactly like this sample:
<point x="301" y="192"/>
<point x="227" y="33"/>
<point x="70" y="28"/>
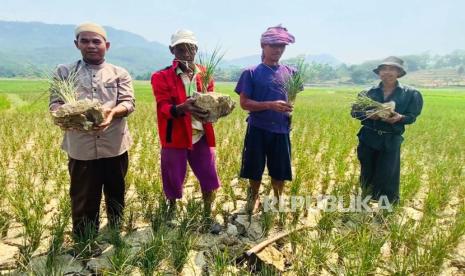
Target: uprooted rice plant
<point x="424" y="235"/>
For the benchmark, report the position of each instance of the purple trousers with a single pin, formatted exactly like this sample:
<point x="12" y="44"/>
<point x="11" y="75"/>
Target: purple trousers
<point x="174" y="167"/>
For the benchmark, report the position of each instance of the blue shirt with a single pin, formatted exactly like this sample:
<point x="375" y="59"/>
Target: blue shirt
<point x="266" y="83"/>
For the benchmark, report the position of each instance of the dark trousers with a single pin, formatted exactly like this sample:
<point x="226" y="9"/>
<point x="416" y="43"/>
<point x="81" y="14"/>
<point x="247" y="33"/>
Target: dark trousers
<point x="380" y="172"/>
<point x="87" y="180"/>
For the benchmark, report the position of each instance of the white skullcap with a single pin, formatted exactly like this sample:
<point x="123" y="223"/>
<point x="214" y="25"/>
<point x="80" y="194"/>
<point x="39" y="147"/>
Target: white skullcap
<point x="90" y="27"/>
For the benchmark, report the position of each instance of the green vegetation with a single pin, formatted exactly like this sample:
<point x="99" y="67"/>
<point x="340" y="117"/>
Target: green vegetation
<point x="34" y="184"/>
<point x="4" y="103"/>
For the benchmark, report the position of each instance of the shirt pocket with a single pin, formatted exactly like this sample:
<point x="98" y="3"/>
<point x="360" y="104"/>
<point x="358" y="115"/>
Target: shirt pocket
<point x="109" y="94"/>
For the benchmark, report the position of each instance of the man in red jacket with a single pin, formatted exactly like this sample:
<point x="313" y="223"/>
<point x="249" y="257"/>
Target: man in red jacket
<point x="184" y="138"/>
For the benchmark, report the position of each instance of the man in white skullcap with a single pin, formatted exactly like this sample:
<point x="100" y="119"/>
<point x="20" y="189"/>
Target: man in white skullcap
<point x="98" y="159"/>
<point x="183" y="137"/>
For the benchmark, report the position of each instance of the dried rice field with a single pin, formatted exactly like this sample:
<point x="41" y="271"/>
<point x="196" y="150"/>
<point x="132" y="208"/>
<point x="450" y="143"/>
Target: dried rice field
<point x="423" y="235"/>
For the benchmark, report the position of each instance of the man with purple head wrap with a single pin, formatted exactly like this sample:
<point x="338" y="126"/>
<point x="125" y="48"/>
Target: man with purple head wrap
<point x="267" y="137"/>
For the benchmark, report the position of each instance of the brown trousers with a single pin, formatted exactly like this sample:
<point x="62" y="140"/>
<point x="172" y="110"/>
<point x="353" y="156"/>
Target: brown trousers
<point x="87" y="180"/>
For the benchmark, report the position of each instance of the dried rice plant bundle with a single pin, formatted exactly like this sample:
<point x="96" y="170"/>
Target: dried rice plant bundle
<point x="74" y="114"/>
<point x="218" y="105"/>
<point x="79" y="115"/>
<point x="370" y="107"/>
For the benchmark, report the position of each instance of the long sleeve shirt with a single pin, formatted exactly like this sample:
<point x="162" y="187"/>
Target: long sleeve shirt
<point x="174" y="130"/>
<point x="111" y="86"/>
<point x="381" y="135"/>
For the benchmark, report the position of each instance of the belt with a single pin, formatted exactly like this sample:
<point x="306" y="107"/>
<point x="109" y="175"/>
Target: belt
<point x="378" y="131"/>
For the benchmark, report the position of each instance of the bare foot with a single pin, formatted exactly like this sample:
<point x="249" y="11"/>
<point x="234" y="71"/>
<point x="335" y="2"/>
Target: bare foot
<point x="253" y="206"/>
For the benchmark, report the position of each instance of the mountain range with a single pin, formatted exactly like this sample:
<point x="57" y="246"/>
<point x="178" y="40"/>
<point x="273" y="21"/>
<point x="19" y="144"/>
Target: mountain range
<point x="27" y="48"/>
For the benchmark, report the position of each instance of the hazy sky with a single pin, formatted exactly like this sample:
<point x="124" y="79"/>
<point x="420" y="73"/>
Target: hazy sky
<point x="350" y="30"/>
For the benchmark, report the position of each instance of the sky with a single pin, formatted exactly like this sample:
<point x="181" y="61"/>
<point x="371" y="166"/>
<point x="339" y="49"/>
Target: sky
<point x="352" y="30"/>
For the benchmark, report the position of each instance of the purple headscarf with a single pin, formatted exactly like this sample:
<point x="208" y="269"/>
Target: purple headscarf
<point x="277" y="35"/>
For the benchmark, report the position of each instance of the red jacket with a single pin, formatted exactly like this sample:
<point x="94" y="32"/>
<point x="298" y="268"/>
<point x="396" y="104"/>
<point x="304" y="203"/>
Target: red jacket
<point x="168" y="89"/>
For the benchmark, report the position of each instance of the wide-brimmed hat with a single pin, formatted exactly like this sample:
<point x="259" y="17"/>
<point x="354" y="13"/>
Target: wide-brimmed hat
<point x="392" y="61"/>
<point x="183" y="36"/>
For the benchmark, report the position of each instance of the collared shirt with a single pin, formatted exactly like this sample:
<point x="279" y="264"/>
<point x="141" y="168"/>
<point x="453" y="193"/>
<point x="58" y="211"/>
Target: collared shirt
<point x="384" y="136"/>
<point x="111" y="86"/>
<point x="190" y="85"/>
<point x="266" y="83"/>
<point x="175" y="130"/>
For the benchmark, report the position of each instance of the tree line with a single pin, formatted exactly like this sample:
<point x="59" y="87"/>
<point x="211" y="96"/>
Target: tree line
<point x="316" y="73"/>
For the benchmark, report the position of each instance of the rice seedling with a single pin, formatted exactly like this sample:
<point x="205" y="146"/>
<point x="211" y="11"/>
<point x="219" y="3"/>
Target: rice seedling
<point x="316" y="255"/>
<point x="29" y="211"/>
<point x="5" y="217"/>
<point x="60" y="223"/>
<point x="4" y="223"/>
<point x="219" y="262"/>
<point x="145" y="191"/>
<point x="181" y="244"/>
<point x="295" y="83"/>
<point x="229" y="191"/>
<point x="159" y="215"/>
<point x="367" y="257"/>
<point x="85" y="244"/>
<point x="122" y="261"/>
<point x="267" y="221"/>
<point x="210" y="63"/>
<point x="64" y="88"/>
<point x="327" y="222"/>
<point x="193" y="217"/>
<point x="130" y="216"/>
<point x="152" y="253"/>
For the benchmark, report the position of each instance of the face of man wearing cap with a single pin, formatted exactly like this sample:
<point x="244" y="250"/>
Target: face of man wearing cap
<point x="272" y="52"/>
<point x="388" y="73"/>
<point x="184" y="52"/>
<point x="92" y="46"/>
